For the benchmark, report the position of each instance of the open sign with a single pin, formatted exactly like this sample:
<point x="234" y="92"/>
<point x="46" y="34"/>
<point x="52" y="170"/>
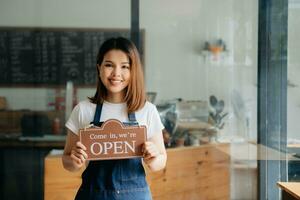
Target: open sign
<point x="113" y="140"/>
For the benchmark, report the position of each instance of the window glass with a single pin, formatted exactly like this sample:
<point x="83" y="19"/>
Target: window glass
<point x="201" y="61"/>
<point x="293" y="106"/>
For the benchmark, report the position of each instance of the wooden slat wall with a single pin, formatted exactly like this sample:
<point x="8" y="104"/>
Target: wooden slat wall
<point x="191" y="173"/>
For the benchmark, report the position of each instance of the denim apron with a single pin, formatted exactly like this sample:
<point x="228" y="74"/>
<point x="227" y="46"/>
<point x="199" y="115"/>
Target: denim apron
<point x="122" y="179"/>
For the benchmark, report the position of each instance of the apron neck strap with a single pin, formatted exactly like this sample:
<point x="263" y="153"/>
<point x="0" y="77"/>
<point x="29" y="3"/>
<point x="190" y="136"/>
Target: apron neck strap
<point x="97" y="114"/>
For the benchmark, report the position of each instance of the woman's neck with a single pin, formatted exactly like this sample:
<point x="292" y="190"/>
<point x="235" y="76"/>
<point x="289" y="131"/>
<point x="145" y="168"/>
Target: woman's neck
<point x="115" y="98"/>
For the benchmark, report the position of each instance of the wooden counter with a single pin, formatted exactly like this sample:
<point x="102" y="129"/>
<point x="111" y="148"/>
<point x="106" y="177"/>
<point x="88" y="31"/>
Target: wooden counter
<point x="290" y="190"/>
<point x="191" y="173"/>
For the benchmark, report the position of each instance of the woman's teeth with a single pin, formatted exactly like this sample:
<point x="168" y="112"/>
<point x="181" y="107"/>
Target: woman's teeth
<point x="115" y="81"/>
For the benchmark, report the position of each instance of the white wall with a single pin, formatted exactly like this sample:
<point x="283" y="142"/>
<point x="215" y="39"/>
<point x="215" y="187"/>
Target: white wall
<point x="175" y="36"/>
<point x="65" y="13"/>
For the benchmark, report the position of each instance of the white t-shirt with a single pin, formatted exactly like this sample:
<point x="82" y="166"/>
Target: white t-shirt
<point x="83" y="114"/>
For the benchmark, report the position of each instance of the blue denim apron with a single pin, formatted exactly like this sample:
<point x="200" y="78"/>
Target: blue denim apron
<point x="122" y="179"/>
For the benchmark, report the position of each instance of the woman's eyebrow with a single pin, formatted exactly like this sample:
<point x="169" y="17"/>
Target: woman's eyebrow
<point x="108" y="61"/>
<point x="111" y="62"/>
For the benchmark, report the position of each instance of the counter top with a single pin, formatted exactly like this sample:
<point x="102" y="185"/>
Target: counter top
<point x="56" y="141"/>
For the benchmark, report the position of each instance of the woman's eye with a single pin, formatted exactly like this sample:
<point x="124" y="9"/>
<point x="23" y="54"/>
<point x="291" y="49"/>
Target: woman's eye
<point x="108" y="65"/>
<point x="126" y="67"/>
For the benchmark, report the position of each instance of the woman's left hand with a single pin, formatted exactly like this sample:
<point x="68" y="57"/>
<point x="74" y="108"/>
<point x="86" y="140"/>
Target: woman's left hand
<point x="154" y="153"/>
<point x="150" y="151"/>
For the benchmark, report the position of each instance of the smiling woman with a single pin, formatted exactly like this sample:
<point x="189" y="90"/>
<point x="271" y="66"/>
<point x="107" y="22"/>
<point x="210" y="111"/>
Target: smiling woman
<point x="120" y="95"/>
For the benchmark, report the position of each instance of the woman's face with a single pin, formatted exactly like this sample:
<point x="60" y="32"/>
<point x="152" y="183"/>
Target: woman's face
<point x="115" y="74"/>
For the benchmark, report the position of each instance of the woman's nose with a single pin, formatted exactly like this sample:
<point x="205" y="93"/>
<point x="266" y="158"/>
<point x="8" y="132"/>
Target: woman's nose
<point x="117" y="71"/>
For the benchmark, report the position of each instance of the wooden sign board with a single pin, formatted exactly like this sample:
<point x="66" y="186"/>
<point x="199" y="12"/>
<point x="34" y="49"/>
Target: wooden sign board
<point x="113" y="140"/>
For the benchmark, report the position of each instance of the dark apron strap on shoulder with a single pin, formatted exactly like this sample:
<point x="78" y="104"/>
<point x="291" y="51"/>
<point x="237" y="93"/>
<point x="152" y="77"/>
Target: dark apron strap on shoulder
<point x="97" y="114"/>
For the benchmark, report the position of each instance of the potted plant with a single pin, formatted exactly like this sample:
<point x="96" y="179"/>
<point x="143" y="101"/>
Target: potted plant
<point x="216" y="115"/>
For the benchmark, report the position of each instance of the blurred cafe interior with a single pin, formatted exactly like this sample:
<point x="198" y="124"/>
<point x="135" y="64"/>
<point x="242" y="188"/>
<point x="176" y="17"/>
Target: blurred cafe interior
<point x="222" y="74"/>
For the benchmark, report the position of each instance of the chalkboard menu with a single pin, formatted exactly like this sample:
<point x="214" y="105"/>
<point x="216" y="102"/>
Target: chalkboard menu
<point x="31" y="56"/>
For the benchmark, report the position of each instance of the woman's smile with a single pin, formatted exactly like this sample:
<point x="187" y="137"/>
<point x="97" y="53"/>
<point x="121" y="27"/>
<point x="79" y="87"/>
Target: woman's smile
<point x="115" y="82"/>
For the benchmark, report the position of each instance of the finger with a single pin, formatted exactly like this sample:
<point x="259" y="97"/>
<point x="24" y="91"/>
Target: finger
<point x="75" y="154"/>
<point x="84" y="154"/>
<point x="77" y="160"/>
<point x="80" y="151"/>
<point x="153" y="151"/>
<point x="148" y="152"/>
<point x="148" y="144"/>
<point x="80" y="145"/>
<point x="79" y="154"/>
<point x="148" y="158"/>
<point x="151" y="154"/>
<point x="82" y="158"/>
<point x="145" y="146"/>
<point x="151" y="148"/>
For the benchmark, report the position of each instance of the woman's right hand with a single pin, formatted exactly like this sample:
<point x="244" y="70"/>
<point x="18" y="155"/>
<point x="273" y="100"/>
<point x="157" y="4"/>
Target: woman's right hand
<point x="78" y="154"/>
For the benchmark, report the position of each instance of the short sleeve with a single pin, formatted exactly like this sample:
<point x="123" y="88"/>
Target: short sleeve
<point x="73" y="122"/>
<point x="155" y="124"/>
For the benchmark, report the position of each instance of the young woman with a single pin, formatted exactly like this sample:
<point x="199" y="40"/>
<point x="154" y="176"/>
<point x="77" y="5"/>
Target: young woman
<point x="120" y="95"/>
